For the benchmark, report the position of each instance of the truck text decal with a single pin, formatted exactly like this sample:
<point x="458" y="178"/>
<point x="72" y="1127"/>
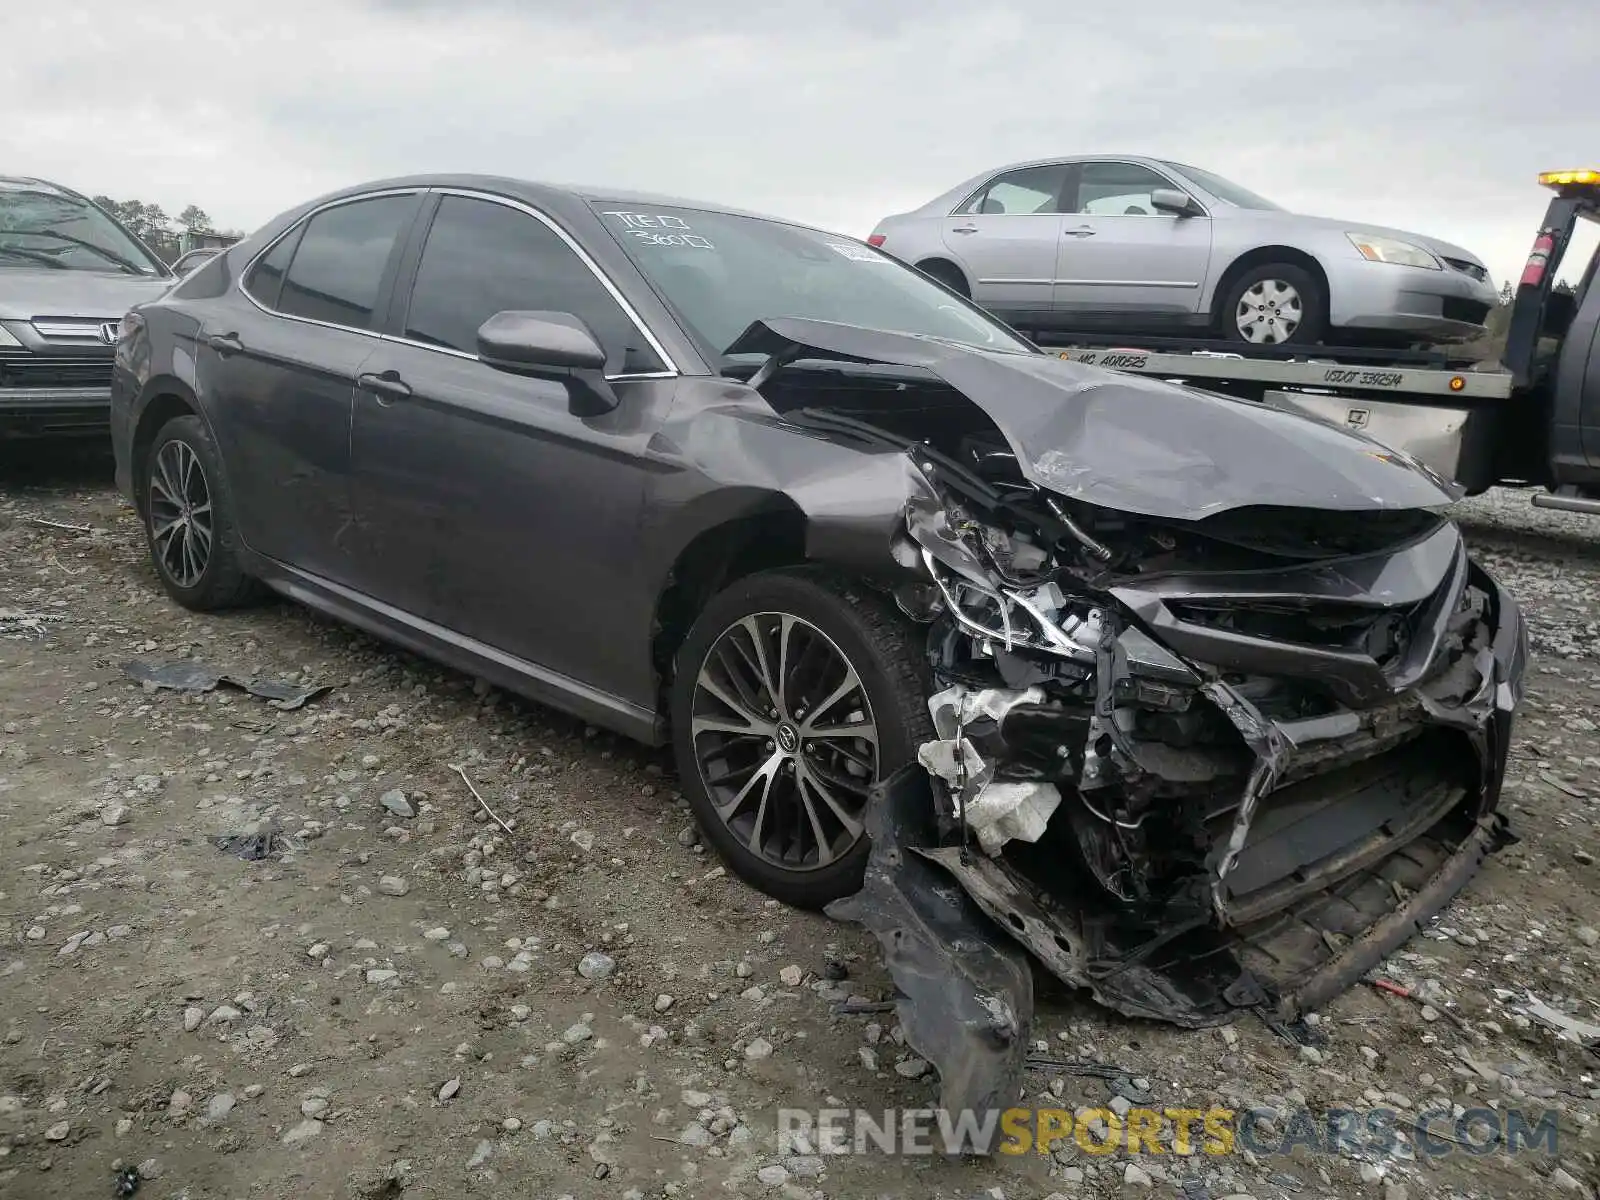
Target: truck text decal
<point x="1126" y="362"/>
<point x="1359" y="378"/>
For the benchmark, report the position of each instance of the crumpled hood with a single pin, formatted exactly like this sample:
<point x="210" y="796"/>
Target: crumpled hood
<point x="1134" y="445"/>
<point x="26" y="294"/>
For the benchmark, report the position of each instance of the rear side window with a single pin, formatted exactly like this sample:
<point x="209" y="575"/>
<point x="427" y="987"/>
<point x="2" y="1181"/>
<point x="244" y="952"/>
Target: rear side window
<point x="337" y="271"/>
<point x="482" y="258"/>
<point x="1027" y="191"/>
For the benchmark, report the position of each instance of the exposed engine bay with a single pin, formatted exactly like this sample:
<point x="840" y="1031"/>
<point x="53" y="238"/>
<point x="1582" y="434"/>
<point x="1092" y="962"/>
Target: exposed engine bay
<point x="1194" y="766"/>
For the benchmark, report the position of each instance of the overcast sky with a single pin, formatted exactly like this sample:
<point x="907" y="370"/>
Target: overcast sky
<point x="1431" y="115"/>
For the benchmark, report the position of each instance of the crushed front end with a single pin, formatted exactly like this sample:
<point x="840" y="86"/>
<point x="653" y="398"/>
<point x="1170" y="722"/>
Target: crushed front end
<point x="1194" y="767"/>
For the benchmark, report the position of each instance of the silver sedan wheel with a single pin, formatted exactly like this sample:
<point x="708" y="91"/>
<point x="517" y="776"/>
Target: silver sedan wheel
<point x="180" y="514"/>
<point x="785" y="740"/>
<point x="1269" y="312"/>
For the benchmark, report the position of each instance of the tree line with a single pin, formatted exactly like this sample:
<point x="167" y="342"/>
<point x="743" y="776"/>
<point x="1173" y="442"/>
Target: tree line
<point x="152" y="226"/>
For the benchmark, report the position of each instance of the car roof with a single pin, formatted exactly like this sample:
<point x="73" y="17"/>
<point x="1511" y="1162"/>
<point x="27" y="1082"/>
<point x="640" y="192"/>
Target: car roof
<point x="967" y="186"/>
<point x="1060" y="158"/>
<point x="38" y="185"/>
<point x="552" y="196"/>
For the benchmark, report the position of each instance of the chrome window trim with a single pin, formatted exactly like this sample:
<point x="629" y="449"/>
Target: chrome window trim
<point x="673" y="371"/>
<point x="586" y="258"/>
<point x="305" y="219"/>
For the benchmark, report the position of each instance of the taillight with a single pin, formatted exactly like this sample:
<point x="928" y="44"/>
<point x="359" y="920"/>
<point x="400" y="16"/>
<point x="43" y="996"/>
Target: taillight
<point x="875" y="240"/>
<point x="1539" y="259"/>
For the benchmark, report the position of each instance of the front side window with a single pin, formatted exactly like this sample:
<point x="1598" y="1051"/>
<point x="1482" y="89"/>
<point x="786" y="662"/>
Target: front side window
<point x="1029" y="190"/>
<point x="482" y="258"/>
<point x="43" y="227"/>
<point x="721" y="272"/>
<point x="337" y="271"/>
<point x="1117" y="189"/>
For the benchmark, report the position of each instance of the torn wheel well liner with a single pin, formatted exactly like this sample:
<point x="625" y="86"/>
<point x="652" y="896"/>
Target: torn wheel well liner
<point x="710" y="562"/>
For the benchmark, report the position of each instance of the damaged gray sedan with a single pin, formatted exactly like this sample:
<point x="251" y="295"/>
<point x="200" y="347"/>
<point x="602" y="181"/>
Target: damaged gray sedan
<point x="1197" y="705"/>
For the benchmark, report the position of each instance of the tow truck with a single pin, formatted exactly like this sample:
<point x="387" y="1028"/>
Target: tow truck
<point x="1531" y="419"/>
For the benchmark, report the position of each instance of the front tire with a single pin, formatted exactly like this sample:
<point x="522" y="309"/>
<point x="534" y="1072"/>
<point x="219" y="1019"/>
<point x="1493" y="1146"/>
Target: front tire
<point x="1274" y="304"/>
<point x="189" y="520"/>
<point x="794" y="693"/>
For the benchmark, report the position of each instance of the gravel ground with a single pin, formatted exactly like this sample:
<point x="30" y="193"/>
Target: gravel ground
<point x="588" y="1006"/>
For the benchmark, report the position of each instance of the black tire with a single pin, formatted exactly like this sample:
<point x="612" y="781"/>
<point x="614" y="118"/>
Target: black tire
<point x="886" y="653"/>
<point x="223" y="582"/>
<point x="948" y="274"/>
<point x="1313" y="320"/>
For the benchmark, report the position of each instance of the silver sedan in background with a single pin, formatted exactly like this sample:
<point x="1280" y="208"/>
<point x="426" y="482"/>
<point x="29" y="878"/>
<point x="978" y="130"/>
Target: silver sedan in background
<point x="1131" y="244"/>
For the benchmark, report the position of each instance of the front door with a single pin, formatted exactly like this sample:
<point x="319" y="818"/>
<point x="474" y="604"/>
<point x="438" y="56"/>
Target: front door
<point x="1120" y="256"/>
<point x="484" y="504"/>
<point x="1005" y="240"/>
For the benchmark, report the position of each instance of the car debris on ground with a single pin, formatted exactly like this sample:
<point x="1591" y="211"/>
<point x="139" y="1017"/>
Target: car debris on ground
<point x="186" y="676"/>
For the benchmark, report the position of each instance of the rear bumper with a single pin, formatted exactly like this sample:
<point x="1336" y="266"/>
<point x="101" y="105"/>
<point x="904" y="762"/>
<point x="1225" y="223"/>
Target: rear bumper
<point x="55" y="412"/>
<point x="1443" y="305"/>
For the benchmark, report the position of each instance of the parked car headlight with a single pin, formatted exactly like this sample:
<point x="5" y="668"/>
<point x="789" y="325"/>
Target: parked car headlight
<point x="1393" y="250"/>
<point x="7" y="338"/>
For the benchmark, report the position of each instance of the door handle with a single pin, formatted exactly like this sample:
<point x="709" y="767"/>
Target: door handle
<point x="965" y="229"/>
<point x="1081" y="231"/>
<point x="225" y="343"/>
<point x="387" y="387"/>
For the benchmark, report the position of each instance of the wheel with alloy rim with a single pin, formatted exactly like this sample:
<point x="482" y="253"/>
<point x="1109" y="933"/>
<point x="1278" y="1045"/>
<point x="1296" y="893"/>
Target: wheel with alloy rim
<point x="188" y="518"/>
<point x="794" y="695"/>
<point x="1276" y="304"/>
<point x="181" y="533"/>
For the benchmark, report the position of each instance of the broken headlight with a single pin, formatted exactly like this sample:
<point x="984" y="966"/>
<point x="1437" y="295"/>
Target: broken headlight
<point x="993" y="584"/>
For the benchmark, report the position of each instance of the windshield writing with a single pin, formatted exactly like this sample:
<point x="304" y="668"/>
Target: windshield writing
<point x="720" y="273"/>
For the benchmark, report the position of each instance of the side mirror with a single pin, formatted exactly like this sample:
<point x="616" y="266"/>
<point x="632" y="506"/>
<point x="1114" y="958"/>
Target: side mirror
<point x="538" y="341"/>
<point x="550" y="344"/>
<point x="1171" y="200"/>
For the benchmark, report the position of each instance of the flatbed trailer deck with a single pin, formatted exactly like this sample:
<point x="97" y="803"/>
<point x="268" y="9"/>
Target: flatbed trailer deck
<point x="1532" y="418"/>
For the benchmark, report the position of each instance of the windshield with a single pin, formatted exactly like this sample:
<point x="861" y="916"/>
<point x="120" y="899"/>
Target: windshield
<point x="1228" y="193"/>
<point x="43" y="228"/>
<point x="721" y="272"/>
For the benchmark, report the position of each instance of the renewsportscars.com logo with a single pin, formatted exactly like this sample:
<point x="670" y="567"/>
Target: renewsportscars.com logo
<point x="1182" y="1131"/>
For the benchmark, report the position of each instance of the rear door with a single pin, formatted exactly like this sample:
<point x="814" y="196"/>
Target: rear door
<point x="277" y="370"/>
<point x="1006" y="240"/>
<point x="485" y="505"/>
<point x="1120" y="255"/>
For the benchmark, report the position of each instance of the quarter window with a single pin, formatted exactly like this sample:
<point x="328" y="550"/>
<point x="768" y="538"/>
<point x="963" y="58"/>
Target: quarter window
<point x="1029" y="190"/>
<point x="265" y="279"/>
<point x="482" y="258"/>
<point x="1118" y="189"/>
<point x="337" y="272"/>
